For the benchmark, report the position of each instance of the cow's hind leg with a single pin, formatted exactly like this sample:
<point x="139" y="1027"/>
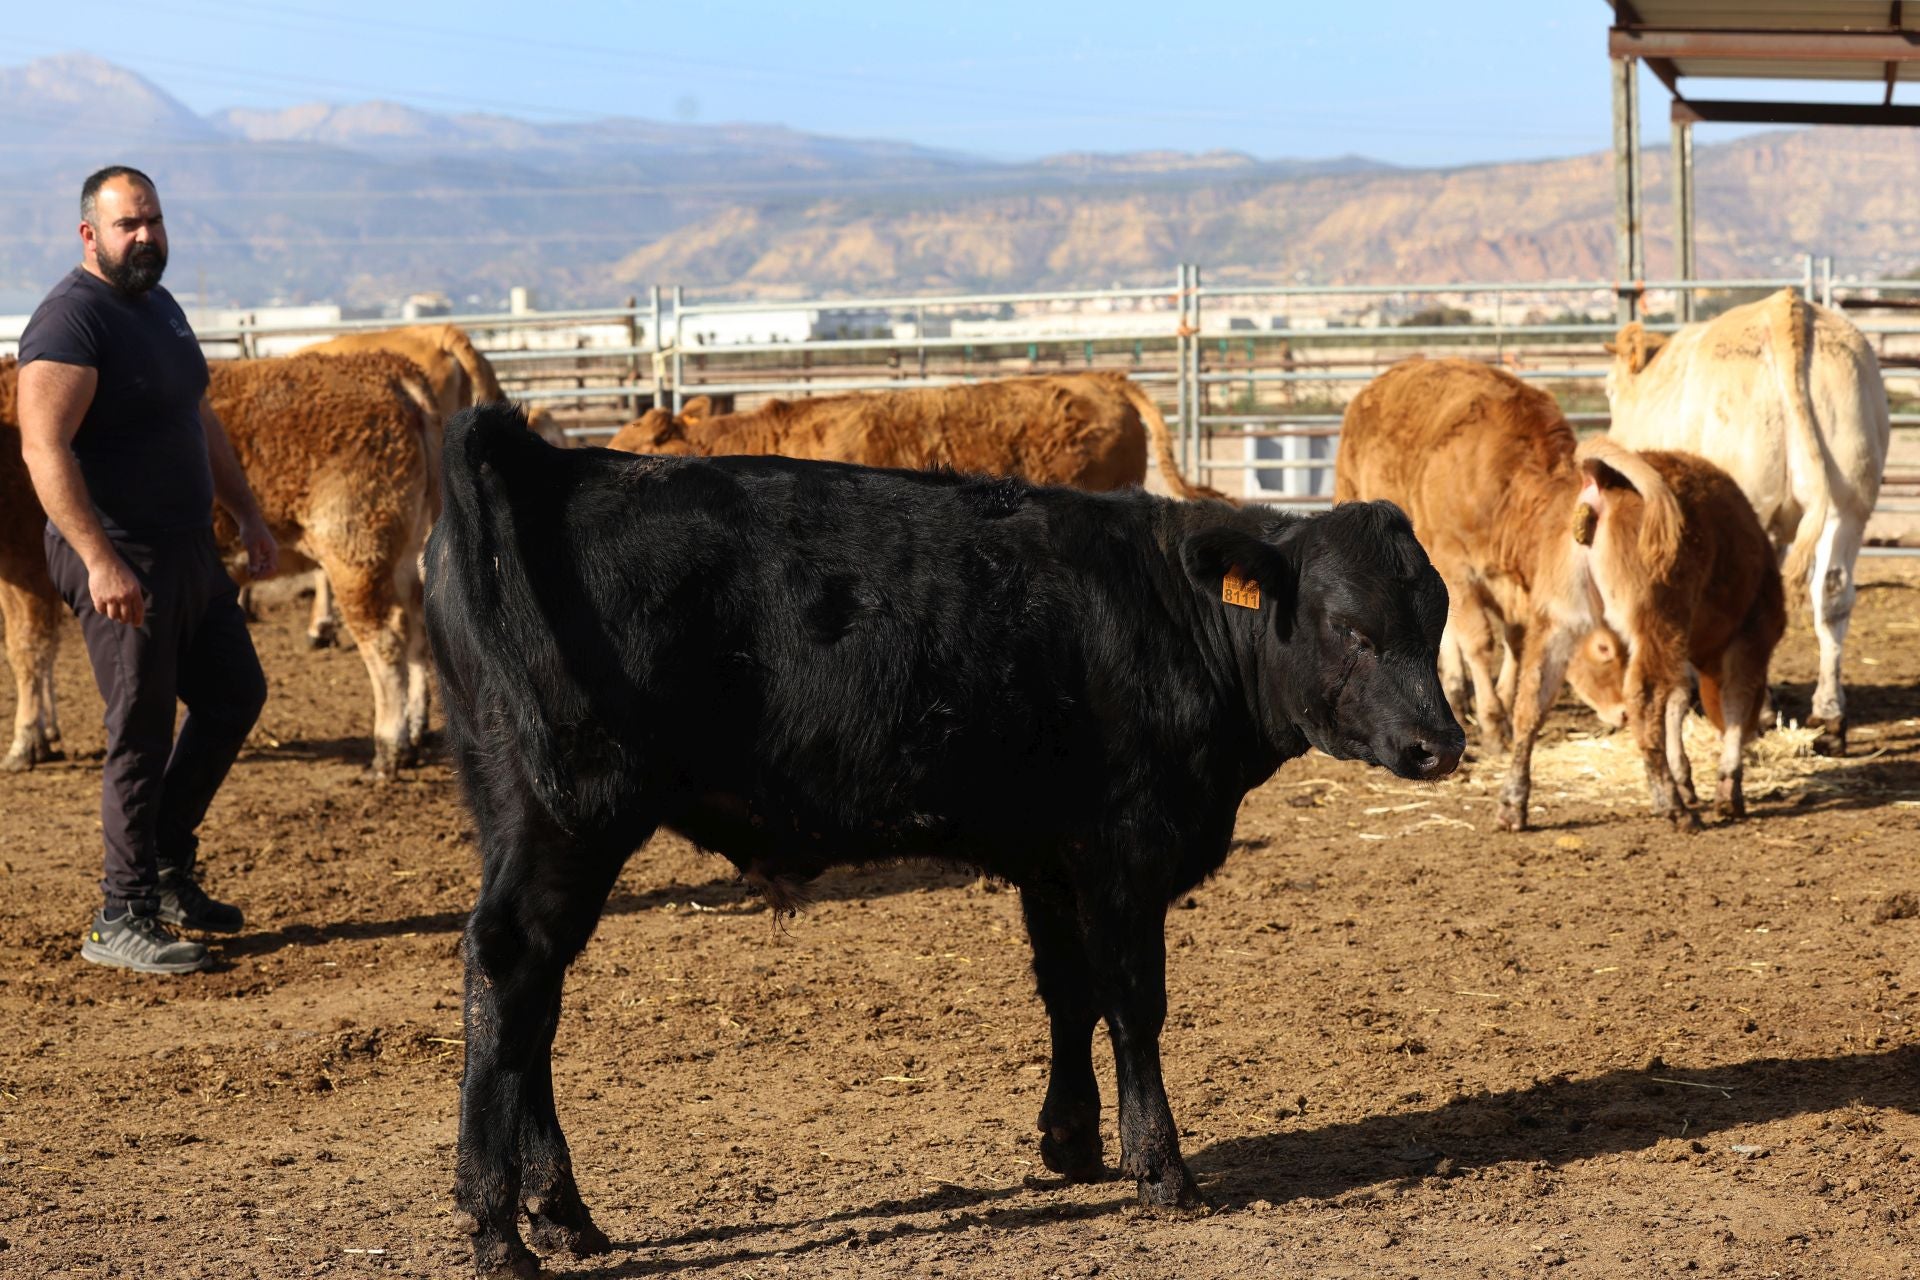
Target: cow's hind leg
<point x="557" y="1218"/>
<point x="1678" y="763"/>
<point x="323" y="625"/>
<point x="377" y="616"/>
<point x="1545" y="651"/>
<point x="1070" y="1116"/>
<point x="1833" y="599"/>
<point x="1738" y="695"/>
<point x="33" y="637"/>
<point x="1655" y="682"/>
<point x="1480" y="643"/>
<point x="541" y="895"/>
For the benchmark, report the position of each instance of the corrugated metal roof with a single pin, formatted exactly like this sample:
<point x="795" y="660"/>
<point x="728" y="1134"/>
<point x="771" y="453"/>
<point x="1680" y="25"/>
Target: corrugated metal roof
<point x="1776" y="15"/>
<point x="1868" y="17"/>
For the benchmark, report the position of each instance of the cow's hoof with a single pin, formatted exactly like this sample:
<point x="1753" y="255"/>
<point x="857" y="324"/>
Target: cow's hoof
<point x="1075" y="1156"/>
<point x="1684" y="820"/>
<point x="505" y="1260"/>
<point x="550" y="1237"/>
<point x="1832" y="741"/>
<point x="1511" y="817"/>
<point x="320" y="640"/>
<point x="17" y="762"/>
<point x="1174" y="1194"/>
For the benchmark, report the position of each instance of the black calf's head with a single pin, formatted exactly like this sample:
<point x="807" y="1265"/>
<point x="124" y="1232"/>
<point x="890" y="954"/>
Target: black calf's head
<point x="1349" y="632"/>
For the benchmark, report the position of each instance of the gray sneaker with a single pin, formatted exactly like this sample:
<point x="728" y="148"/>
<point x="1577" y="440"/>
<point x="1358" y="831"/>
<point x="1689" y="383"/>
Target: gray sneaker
<point x="185" y="905"/>
<point x="140" y="943"/>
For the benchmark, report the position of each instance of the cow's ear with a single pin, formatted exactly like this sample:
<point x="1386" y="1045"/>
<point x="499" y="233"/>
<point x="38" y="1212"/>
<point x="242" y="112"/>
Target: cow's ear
<point x="697" y="408"/>
<point x="1237" y="570"/>
<point x="655" y="426"/>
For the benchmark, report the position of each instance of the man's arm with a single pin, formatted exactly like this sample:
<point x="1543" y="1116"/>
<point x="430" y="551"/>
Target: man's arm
<point x="53" y="401"/>
<point x="233" y="492"/>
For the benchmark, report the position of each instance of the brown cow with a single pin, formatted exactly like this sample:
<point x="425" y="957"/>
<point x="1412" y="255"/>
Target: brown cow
<point x="29" y="605"/>
<point x="1088" y="430"/>
<point x="459" y="376"/>
<point x="1540" y="540"/>
<point x="341" y="452"/>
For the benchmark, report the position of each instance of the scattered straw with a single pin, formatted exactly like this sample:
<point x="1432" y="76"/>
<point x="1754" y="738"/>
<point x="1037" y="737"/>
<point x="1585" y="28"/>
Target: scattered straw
<point x="1608" y="766"/>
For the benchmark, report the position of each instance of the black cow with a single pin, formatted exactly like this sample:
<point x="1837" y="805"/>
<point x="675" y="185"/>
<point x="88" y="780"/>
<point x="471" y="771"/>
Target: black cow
<point x="803" y="664"/>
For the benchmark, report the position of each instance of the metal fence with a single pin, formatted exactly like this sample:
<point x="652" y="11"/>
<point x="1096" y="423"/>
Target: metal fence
<point x="1254" y="409"/>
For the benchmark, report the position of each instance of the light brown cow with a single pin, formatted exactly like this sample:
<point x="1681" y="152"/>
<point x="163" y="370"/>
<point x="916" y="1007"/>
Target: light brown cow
<point x="1089" y="430"/>
<point x="29" y="605"/>
<point x="1540" y="540"/>
<point x="339" y="451"/>
<point x="459" y="376"/>
<point x="1787" y="396"/>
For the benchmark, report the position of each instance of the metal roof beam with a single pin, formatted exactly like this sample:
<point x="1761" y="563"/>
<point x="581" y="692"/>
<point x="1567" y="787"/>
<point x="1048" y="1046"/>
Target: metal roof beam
<point x="1668" y="74"/>
<point x="1709" y="111"/>
<point x="1685" y="44"/>
<point x="1893" y="68"/>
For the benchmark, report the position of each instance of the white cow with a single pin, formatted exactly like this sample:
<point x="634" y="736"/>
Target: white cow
<point x="1786" y="397"/>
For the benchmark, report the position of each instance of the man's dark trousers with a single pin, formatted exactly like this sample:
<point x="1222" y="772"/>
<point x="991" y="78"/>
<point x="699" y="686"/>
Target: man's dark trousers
<point x="193" y="648"/>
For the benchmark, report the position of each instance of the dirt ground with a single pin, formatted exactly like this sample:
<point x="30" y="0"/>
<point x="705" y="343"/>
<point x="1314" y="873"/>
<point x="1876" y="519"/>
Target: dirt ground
<point x="1401" y="1043"/>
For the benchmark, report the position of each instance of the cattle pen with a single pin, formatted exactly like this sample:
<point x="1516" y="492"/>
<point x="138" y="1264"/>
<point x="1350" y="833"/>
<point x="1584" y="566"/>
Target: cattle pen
<point x="1252" y="377"/>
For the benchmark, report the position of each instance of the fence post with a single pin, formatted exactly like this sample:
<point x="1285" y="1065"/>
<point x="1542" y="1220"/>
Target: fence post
<point x="1806" y="277"/>
<point x="1180" y="390"/>
<point x="659" y="371"/>
<point x="679" y="342"/>
<point x="633" y="356"/>
<point x="1826" y="281"/>
<point x="1194" y="350"/>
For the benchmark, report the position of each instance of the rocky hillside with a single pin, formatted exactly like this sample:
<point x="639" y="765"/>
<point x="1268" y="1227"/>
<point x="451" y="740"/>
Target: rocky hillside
<point x="365" y="202"/>
<point x="1763" y="201"/>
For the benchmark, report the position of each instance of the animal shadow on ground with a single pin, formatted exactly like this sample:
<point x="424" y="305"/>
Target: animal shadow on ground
<point x="722" y="896"/>
<point x="1557" y="1121"/>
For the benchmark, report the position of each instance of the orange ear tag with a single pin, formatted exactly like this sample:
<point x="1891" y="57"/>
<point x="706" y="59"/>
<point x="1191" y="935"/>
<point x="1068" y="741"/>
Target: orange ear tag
<point x="1235" y="589"/>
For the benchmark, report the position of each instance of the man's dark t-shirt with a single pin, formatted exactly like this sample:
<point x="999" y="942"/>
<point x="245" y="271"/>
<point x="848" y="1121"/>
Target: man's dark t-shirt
<point x="141" y="448"/>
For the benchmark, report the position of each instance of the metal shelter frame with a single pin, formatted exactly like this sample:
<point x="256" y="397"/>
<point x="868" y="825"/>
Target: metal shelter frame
<point x="1873" y="42"/>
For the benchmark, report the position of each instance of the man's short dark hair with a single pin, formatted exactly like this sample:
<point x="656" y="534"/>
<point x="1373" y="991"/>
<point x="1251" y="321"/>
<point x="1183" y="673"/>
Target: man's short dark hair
<point x="90" y="189"/>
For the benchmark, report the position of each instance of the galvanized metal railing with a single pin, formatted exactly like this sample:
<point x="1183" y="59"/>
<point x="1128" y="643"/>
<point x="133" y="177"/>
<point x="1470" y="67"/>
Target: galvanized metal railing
<point x="659" y="350"/>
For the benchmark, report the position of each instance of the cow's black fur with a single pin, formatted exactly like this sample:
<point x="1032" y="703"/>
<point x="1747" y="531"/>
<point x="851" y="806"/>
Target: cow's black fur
<point x="799" y="664"/>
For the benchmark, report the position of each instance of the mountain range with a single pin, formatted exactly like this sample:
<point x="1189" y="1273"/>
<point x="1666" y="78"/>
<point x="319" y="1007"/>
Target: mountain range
<point x="361" y="203"/>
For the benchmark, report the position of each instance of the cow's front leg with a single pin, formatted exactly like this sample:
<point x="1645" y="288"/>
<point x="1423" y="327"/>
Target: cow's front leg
<point x="1070" y="1117"/>
<point x="1129" y="937"/>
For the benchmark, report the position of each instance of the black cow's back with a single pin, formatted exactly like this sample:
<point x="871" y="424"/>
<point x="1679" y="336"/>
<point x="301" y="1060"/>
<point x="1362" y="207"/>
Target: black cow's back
<point x="802" y="661"/>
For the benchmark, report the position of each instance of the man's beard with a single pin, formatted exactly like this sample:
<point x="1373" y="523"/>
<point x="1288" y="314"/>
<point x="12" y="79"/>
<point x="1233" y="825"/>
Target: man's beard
<point x="135" y="272"/>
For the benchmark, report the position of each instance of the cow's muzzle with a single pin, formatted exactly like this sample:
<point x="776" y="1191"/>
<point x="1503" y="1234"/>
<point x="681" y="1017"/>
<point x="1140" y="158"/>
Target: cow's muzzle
<point x="1430" y="755"/>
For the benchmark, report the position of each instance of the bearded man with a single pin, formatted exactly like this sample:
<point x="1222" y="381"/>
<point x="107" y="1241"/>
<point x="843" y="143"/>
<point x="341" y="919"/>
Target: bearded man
<point x="128" y="459"/>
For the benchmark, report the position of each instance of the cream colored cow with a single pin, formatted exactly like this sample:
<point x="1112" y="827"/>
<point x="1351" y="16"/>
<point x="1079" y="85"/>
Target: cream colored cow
<point x="1786" y="397"/>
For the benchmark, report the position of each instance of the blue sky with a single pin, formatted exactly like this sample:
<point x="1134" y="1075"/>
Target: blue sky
<point x="1418" y="84"/>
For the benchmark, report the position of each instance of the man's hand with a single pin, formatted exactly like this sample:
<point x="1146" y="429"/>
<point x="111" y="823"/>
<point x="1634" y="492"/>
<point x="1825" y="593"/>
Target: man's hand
<point x="116" y="592"/>
<point x="263" y="553"/>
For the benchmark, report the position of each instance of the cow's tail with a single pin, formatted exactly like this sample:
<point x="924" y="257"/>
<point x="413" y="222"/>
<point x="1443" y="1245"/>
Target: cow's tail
<point x="479" y="371"/>
<point x="1660" y="519"/>
<point x="505" y="685"/>
<point x="1790" y="332"/>
<point x="1160" y="441"/>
